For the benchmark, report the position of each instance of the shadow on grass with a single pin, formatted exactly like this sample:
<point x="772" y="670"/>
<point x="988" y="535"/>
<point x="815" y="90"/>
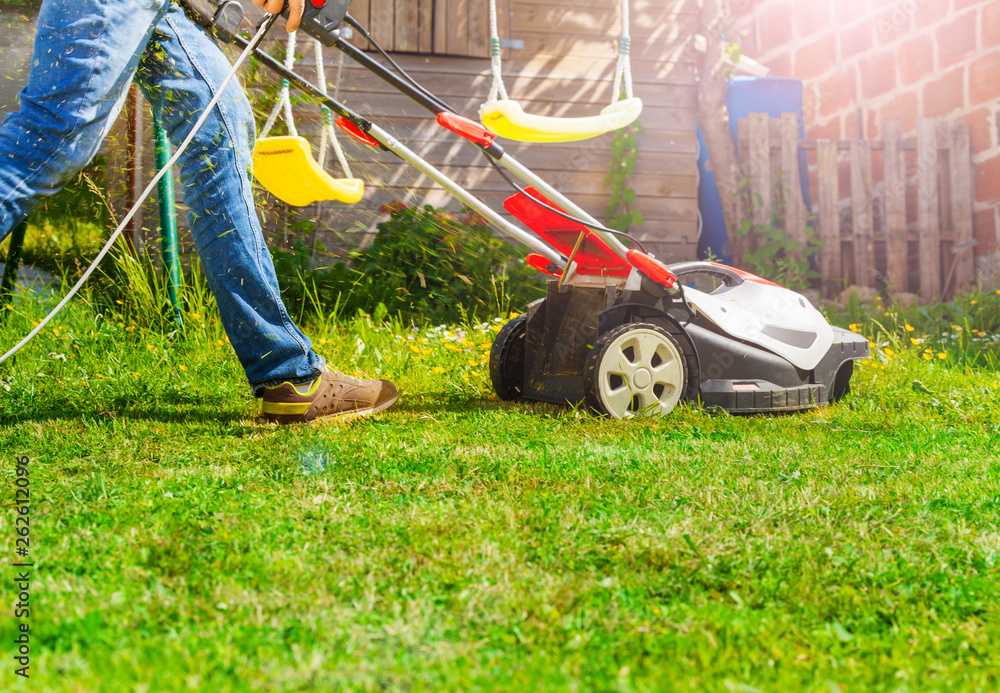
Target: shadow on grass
<point x="187" y="410"/>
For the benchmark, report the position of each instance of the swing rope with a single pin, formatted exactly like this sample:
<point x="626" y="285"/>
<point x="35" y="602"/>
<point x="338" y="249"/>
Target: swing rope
<point x="328" y="134"/>
<point x="623" y="66"/>
<point x="497" y="88"/>
<point x="284" y="102"/>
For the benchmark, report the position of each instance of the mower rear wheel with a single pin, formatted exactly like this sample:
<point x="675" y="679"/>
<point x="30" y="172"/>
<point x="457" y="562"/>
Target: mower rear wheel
<point x="507" y="358"/>
<point x="635" y="370"/>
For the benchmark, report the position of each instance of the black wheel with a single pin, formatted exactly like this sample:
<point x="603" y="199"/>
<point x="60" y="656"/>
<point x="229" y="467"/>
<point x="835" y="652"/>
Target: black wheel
<point x="507" y="360"/>
<point x="637" y="369"/>
<point x="842" y="382"/>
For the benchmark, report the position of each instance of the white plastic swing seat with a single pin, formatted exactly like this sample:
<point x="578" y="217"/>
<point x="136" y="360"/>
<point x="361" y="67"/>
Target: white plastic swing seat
<point x="507" y="119"/>
<point x="286" y="168"/>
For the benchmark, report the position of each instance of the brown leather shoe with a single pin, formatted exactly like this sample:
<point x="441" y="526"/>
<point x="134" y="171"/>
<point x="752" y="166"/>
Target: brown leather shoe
<point x="332" y="395"/>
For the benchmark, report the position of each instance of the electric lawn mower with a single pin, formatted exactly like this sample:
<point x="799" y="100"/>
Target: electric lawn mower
<point x="618" y="330"/>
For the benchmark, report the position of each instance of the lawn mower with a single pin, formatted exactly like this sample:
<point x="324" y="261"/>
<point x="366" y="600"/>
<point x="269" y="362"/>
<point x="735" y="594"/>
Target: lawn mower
<point x="618" y="330"/>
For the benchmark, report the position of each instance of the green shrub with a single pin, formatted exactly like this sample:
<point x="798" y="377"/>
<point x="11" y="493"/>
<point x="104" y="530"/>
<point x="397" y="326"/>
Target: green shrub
<point x="425" y="264"/>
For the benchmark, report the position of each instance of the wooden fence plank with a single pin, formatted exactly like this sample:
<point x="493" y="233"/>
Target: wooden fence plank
<point x="360" y="10"/>
<point x="829" y="217"/>
<point x="928" y="221"/>
<point x="961" y="205"/>
<point x="895" y="206"/>
<point x="761" y="193"/>
<point x="795" y="208"/>
<point x="381" y="23"/>
<point x="861" y="205"/>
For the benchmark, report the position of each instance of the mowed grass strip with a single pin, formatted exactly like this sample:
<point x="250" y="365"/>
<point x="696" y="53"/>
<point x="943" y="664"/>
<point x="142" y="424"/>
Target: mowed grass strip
<point x="460" y="543"/>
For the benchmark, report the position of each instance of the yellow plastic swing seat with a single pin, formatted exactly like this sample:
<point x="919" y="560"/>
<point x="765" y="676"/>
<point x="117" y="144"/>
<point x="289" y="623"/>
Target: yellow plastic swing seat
<point x="286" y="168"/>
<point x="507" y="119"/>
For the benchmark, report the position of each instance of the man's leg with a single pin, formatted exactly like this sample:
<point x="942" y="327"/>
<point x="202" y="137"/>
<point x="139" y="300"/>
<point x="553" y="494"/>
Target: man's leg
<point x="84" y="56"/>
<point x="180" y="71"/>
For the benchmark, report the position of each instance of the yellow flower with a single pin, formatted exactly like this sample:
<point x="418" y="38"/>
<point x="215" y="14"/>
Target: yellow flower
<point x="973" y="302"/>
<point x="182" y="367"/>
<point x="130" y="328"/>
<point x="909" y="327"/>
<point x="915" y="342"/>
<point x="196" y="316"/>
<point x="10" y="307"/>
<point x="926" y="357"/>
<point x="889" y="353"/>
<point x="942" y="355"/>
<point x="854" y="327"/>
<point x="150" y="347"/>
<point x="220" y="342"/>
<point x="437" y="370"/>
<point x="119" y="302"/>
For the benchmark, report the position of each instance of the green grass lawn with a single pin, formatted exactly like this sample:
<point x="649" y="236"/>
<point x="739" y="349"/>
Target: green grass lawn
<point x="458" y="543"/>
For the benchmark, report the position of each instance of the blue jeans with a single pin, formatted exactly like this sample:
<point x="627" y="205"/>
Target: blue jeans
<point x="86" y="53"/>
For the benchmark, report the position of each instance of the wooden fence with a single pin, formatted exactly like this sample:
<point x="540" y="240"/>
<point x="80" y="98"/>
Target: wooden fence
<point x="893" y="213"/>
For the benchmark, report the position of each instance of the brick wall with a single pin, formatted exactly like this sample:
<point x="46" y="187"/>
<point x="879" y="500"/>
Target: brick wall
<point x="865" y="60"/>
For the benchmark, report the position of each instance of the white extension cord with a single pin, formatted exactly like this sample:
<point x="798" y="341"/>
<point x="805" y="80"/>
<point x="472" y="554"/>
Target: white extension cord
<point x="264" y="26"/>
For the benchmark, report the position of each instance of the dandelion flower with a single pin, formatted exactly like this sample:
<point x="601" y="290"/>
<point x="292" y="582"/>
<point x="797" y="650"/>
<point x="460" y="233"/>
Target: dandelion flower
<point x="909" y="327"/>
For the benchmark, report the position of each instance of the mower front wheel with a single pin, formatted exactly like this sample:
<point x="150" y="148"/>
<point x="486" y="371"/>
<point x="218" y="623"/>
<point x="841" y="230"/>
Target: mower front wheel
<point x="507" y="358"/>
<point x="636" y="369"/>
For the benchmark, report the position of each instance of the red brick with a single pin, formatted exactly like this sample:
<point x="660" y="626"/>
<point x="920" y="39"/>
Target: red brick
<point x="980" y="124"/>
<point x="984" y="79"/>
<point x="988" y="180"/>
<point x="811" y="17"/>
<point x="929" y="12"/>
<point x="854" y="40"/>
<point x="872" y="126"/>
<point x="965" y="4"/>
<point x="815" y="58"/>
<point x="775" y="26"/>
<point x="991" y="26"/>
<point x="892" y="23"/>
<point x="837" y="92"/>
<point x="878" y="74"/>
<point x="781" y="65"/>
<point x="957" y="39"/>
<point x="848" y="11"/>
<point x="905" y="107"/>
<point x="984" y="230"/>
<point x="916" y="59"/>
<point x="827" y="131"/>
<point x="945" y="94"/>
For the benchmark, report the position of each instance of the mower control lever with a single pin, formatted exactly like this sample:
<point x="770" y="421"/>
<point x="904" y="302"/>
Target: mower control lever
<point x="321" y="19"/>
